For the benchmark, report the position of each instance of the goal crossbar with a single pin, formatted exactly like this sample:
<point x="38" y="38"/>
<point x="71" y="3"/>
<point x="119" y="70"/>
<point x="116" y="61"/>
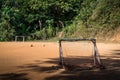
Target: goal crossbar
<point x="96" y="56"/>
<point x="77" y="39"/>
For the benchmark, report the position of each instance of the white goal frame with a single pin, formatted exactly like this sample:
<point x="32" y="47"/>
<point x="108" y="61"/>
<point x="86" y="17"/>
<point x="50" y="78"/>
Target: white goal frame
<point x="23" y="38"/>
<point x="96" y="56"/>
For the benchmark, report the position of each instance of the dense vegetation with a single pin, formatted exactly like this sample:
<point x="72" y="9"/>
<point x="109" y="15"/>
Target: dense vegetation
<point x="43" y="19"/>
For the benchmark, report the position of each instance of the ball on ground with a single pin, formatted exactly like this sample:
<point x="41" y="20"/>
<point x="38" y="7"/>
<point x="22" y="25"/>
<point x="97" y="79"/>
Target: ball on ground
<point x="31" y="45"/>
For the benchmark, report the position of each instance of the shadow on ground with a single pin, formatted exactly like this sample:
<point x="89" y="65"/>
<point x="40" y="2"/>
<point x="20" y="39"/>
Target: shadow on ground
<point x="13" y="76"/>
<point x="112" y="71"/>
<point x="88" y="75"/>
<point x="37" y="68"/>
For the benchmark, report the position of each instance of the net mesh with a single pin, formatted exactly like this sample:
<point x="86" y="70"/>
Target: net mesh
<point x="79" y="53"/>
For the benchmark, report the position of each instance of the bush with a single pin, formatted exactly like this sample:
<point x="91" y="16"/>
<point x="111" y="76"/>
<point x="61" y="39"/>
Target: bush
<point x="45" y="33"/>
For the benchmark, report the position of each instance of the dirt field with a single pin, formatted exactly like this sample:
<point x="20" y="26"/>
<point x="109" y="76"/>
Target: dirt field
<point x="33" y="61"/>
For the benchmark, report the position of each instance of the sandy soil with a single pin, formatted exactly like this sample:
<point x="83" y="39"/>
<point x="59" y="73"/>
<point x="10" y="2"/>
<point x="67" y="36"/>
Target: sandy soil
<point x="33" y="61"/>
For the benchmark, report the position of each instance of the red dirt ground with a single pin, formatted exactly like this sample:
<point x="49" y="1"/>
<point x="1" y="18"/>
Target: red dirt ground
<point x="33" y="61"/>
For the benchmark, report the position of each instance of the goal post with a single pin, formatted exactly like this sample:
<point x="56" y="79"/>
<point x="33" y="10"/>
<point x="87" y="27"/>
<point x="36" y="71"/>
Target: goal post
<point x="19" y="38"/>
<point x="96" y="57"/>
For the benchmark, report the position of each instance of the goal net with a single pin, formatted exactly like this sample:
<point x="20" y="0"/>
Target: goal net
<point x="78" y="52"/>
<point x="19" y="38"/>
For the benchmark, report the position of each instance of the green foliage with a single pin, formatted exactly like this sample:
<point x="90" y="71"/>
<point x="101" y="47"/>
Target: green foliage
<point x="77" y="29"/>
<point x="43" y="19"/>
<point x="6" y="31"/>
<point x="45" y="33"/>
<point x="69" y="30"/>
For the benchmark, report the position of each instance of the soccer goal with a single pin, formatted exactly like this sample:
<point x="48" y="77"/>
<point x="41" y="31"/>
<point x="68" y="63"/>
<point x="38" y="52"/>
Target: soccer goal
<point x="19" y="38"/>
<point x="79" y="54"/>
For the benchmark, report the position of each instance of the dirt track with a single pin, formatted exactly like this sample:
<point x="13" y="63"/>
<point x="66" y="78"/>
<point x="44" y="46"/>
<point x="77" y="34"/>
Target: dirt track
<point x="33" y="61"/>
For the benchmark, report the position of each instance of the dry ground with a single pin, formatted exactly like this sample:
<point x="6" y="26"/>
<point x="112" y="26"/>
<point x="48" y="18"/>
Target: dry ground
<point x="33" y="61"/>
